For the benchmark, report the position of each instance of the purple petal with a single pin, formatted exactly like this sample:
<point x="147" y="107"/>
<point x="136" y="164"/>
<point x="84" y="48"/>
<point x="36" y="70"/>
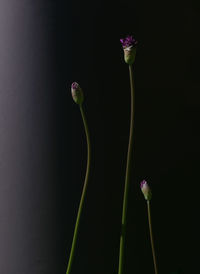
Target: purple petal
<point x="128" y="41"/>
<point x="75" y="85"/>
<point x="143" y="183"/>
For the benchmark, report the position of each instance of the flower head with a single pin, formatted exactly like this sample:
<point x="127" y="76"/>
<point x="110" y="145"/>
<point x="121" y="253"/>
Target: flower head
<point x="129" y="41"/>
<point x="77" y="93"/>
<point x="129" y="46"/>
<point x="146" y="190"/>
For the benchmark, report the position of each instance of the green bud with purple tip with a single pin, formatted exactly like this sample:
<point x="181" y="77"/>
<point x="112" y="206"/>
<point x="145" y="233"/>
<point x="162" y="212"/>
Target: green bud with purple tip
<point x="77" y="93"/>
<point x="146" y="190"/>
<point x="129" y="46"/>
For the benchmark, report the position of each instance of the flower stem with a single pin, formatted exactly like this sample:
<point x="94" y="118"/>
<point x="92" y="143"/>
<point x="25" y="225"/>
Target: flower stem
<point x="127" y="178"/>
<point x="151" y="237"/>
<point x="83" y="192"/>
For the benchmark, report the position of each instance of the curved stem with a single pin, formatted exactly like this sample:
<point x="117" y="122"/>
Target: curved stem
<point x="151" y="237"/>
<point x="83" y="192"/>
<point x="127" y="178"/>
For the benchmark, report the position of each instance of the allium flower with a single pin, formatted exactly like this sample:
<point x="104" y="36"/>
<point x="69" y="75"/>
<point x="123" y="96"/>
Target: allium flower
<point x="129" y="41"/>
<point x="146" y="190"/>
<point x="77" y="93"/>
<point x="129" y="45"/>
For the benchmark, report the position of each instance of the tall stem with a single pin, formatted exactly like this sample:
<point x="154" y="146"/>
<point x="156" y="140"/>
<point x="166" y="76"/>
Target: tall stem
<point x="151" y="237"/>
<point x="83" y="192"/>
<point x="127" y="178"/>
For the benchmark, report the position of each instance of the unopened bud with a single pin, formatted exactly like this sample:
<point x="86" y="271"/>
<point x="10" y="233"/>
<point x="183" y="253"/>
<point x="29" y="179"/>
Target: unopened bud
<point x="77" y="93"/>
<point x="146" y="190"/>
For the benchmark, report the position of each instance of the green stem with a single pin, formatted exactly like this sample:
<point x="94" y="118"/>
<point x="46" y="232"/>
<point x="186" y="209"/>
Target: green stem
<point x="127" y="178"/>
<point x="83" y="192"/>
<point x="151" y="237"/>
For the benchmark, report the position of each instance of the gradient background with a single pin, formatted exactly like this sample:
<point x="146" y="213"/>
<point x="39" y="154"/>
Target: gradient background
<point x="46" y="45"/>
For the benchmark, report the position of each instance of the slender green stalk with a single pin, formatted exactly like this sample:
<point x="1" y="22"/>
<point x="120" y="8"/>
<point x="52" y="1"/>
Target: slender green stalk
<point x="83" y="192"/>
<point x="151" y="237"/>
<point x="127" y="178"/>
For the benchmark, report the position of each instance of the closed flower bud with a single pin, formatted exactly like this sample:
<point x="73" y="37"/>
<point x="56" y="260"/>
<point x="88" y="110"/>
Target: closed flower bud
<point x="129" y="47"/>
<point x="77" y="93"/>
<point x="146" y="190"/>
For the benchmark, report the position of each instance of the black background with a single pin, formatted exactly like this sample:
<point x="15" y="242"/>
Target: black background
<point x="43" y="147"/>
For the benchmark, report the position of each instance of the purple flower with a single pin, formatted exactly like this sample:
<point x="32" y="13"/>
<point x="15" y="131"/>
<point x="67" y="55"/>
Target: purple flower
<point x="129" y="46"/>
<point x="146" y="190"/>
<point x="77" y="93"/>
<point x="129" y="41"/>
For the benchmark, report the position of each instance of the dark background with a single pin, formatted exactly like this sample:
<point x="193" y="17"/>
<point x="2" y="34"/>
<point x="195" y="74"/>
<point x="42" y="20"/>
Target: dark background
<point x="44" y="47"/>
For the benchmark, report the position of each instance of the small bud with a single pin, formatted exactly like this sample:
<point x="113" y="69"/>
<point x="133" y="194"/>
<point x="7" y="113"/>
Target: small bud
<point x="129" y="46"/>
<point x="146" y="190"/>
<point x="77" y="93"/>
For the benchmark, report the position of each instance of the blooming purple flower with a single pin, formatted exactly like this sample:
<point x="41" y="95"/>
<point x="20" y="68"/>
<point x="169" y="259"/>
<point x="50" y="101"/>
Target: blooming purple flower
<point x="77" y="93"/>
<point x="129" y="46"/>
<point x="146" y="190"/>
<point x="129" y="41"/>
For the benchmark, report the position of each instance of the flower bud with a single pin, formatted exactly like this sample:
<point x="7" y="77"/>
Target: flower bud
<point x="77" y="93"/>
<point x="146" y="190"/>
<point x="129" y="46"/>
